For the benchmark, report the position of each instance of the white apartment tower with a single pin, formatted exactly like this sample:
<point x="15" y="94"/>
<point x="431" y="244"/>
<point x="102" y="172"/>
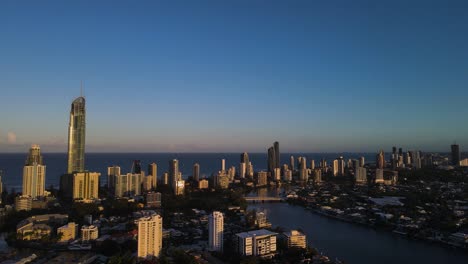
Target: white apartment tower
<point x="215" y="231"/>
<point x="34" y="173"/>
<point x="149" y="236"/>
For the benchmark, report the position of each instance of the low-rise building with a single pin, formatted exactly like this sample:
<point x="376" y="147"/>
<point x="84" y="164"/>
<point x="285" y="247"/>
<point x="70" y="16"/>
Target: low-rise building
<point x="153" y="199"/>
<point x="23" y="203"/>
<point x="38" y="226"/>
<point x="68" y="231"/>
<point x="295" y="239"/>
<point x="89" y="233"/>
<point x="261" y="243"/>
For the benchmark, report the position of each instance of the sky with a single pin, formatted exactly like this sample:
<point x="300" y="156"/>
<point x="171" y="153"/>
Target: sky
<point x="233" y="76"/>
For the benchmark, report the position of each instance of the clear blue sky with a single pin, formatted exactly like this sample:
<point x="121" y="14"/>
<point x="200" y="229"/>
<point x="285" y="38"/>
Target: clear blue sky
<point x="318" y="76"/>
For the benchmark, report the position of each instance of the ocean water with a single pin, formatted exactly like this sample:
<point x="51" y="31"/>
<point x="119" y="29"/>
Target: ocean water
<point x="12" y="163"/>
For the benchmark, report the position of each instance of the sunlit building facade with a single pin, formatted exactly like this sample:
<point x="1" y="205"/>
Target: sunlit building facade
<point x="76" y="136"/>
<point x="34" y="173"/>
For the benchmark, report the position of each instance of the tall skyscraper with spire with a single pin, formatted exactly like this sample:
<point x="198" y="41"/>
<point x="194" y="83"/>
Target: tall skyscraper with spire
<point x="76" y="136"/>
<point x="34" y="173"/>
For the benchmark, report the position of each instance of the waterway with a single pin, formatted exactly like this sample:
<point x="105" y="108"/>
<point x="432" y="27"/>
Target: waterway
<point x="357" y="244"/>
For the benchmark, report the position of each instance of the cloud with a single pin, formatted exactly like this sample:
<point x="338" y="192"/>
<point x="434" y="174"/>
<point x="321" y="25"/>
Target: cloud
<point x="11" y="138"/>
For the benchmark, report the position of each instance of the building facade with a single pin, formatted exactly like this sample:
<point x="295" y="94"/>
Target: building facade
<point x="76" y="136"/>
<point x="261" y="243"/>
<point x="34" y="173"/>
<point x="149" y="236"/>
<point x="216" y="231"/>
<point x="89" y="233"/>
<point x="295" y="239"/>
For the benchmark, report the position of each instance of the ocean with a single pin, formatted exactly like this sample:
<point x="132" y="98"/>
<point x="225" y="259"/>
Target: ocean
<point x="56" y="163"/>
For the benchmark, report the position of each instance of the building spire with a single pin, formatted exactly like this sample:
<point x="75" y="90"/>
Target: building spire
<point x="81" y="88"/>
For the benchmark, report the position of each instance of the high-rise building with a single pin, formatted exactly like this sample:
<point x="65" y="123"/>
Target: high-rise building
<point x="215" y="231"/>
<point x="380" y="160"/>
<point x="196" y="172"/>
<point x="312" y="164"/>
<point x="303" y="174"/>
<point x="136" y="167"/>
<point x="287" y="175"/>
<point x="417" y="160"/>
<point x="153" y="173"/>
<point x="173" y="172"/>
<point x="165" y="179"/>
<point x="407" y="158"/>
<point x="338" y="167"/>
<point x="356" y="164"/>
<point x="179" y="187"/>
<point x="149" y="236"/>
<point x="271" y="160"/>
<point x="250" y="170"/>
<point x="277" y="174"/>
<point x="34" y="173"/>
<point x="86" y="185"/>
<point x="262" y="178"/>
<point x="360" y="175"/>
<point x="76" y="136"/>
<point x="221" y="180"/>
<point x="317" y="176"/>
<point x="291" y="163"/>
<point x="455" y="154"/>
<point x="112" y="172"/>
<point x="128" y="184"/>
<point x="223" y="165"/>
<point x="242" y="170"/>
<point x="244" y="158"/>
<point x="277" y="154"/>
<point x="379" y="176"/>
<point x="1" y="184"/>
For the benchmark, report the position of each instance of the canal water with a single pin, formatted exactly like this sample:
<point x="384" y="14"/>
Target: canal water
<point x="356" y="244"/>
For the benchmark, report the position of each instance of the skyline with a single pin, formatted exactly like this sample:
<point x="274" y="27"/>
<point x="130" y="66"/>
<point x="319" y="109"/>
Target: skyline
<point x="217" y="77"/>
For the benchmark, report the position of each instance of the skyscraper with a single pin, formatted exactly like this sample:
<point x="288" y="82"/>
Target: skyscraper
<point x="76" y="136"/>
<point x="34" y="174"/>
<point x="455" y="154"/>
<point x="86" y="185"/>
<point x="291" y="163"/>
<point x="153" y="173"/>
<point x="215" y="231"/>
<point x="277" y="154"/>
<point x="271" y="160"/>
<point x="244" y="158"/>
<point x="338" y="167"/>
<point x="1" y="184"/>
<point x="380" y="160"/>
<point x="173" y="172"/>
<point x="196" y="172"/>
<point x="149" y="236"/>
<point x="112" y="172"/>
<point x="244" y="165"/>
<point x="136" y="166"/>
